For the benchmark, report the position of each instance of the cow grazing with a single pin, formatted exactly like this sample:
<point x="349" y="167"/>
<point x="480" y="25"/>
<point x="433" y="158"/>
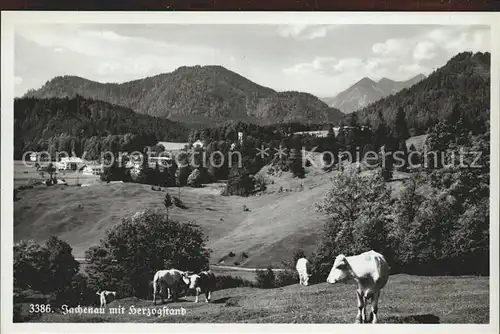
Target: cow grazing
<point x="105" y="296"/>
<point x="304" y="269"/>
<point x="169" y="281"/>
<point x="203" y="282"/>
<point x="371" y="271"/>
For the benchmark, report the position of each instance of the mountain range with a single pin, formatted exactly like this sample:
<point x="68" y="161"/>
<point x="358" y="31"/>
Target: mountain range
<point x="198" y="95"/>
<point x="459" y="89"/>
<point x="367" y="91"/>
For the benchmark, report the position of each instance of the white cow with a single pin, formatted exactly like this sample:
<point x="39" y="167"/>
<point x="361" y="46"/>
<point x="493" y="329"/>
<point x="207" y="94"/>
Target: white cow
<point x="105" y="295"/>
<point x="370" y="271"/>
<point x="167" y="280"/>
<point x="304" y="269"/>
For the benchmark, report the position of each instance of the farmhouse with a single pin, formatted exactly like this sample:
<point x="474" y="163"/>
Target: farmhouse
<point x="69" y="163"/>
<point x="172" y="146"/>
<point x="321" y="133"/>
<point x="324" y="133"/>
<point x="198" y="144"/>
<point x="93" y="170"/>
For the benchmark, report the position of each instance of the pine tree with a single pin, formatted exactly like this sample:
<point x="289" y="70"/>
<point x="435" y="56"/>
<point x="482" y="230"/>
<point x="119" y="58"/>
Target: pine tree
<point x="167" y="201"/>
<point x="401" y="128"/>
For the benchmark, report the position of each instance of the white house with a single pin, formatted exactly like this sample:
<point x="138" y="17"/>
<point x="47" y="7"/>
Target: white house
<point x="198" y="144"/>
<point x="321" y="133"/>
<point x="172" y="146"/>
<point x="93" y="170"/>
<point x="69" y="163"/>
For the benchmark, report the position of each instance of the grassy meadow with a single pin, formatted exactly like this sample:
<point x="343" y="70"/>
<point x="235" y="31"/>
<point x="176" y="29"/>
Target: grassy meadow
<point x="405" y="299"/>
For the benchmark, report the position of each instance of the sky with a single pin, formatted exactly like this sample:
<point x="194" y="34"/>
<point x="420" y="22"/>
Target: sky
<point x="318" y="59"/>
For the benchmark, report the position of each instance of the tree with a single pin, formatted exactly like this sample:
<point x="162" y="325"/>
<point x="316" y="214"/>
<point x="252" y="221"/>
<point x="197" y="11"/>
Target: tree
<point x="132" y="251"/>
<point x="51" y="170"/>
<point x="46" y="269"/>
<point x="265" y="278"/>
<point x="400" y="128"/>
<point x="31" y="263"/>
<point x="167" y="202"/>
<point x="62" y="265"/>
<point x="357" y="206"/>
<point x="295" y="163"/>
<point x="240" y="182"/>
<point x="194" y="179"/>
<point x="114" y="172"/>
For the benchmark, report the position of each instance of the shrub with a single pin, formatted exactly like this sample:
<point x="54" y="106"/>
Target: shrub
<point x="229" y="282"/>
<point x="265" y="278"/>
<point x="131" y="252"/>
<point x="260" y="183"/>
<point x="286" y="277"/>
<point x="47" y="269"/>
<point x="78" y="293"/>
<point x="194" y="179"/>
<point x="178" y="203"/>
<point x="297" y="255"/>
<point x="294" y="163"/>
<point x="240" y="182"/>
<point x="115" y="173"/>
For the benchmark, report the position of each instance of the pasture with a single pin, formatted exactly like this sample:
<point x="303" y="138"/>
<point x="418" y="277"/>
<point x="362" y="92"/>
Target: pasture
<point x="405" y="299"/>
<point x="278" y="222"/>
<point x="24" y="175"/>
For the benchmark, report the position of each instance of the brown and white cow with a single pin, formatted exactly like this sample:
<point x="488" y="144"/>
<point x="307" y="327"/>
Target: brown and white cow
<point x="105" y="296"/>
<point x="169" y="281"/>
<point x="304" y="270"/>
<point x="203" y="282"/>
<point x="371" y="272"/>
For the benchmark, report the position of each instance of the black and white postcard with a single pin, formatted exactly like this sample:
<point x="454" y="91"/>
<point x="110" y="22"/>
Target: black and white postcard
<point x="258" y="170"/>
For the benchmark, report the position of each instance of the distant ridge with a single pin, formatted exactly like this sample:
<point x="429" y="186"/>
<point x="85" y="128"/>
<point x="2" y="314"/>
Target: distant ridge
<point x="198" y="95"/>
<point x="367" y="91"/>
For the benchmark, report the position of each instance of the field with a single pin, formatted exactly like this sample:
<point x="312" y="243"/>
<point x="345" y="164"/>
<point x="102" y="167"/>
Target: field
<point x="405" y="299"/>
<point x="24" y="174"/>
<point x="277" y="223"/>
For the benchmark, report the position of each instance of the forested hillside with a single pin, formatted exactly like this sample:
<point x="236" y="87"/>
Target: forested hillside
<point x="83" y="124"/>
<point x="461" y="88"/>
<point x="198" y="95"/>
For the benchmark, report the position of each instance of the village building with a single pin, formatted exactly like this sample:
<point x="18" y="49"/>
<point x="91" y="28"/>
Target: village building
<point x="69" y="163"/>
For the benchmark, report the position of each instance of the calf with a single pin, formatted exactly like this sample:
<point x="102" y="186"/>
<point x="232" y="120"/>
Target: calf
<point x="370" y="271"/>
<point x="304" y="269"/>
<point x="105" y="295"/>
<point x="203" y="282"/>
<point x="169" y="281"/>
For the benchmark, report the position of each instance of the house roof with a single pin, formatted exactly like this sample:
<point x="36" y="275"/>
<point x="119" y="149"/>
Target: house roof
<point x="172" y="146"/>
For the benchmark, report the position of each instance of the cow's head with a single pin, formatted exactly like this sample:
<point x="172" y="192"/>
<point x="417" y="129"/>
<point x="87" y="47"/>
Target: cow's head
<point x="192" y="281"/>
<point x="340" y="270"/>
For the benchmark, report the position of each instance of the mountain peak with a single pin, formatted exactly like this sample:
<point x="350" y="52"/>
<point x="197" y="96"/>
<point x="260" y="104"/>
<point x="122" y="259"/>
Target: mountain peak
<point x="365" y="81"/>
<point x="198" y="95"/>
<point x="367" y="91"/>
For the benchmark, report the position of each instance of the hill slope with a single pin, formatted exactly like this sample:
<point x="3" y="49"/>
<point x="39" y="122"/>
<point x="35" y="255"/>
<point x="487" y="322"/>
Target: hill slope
<point x="81" y="216"/>
<point x="199" y="95"/>
<point x="367" y="91"/>
<point x="460" y="88"/>
<point x="39" y="120"/>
